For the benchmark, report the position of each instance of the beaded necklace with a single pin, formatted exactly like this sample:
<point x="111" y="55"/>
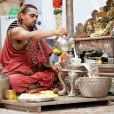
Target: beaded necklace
<point x="33" y="52"/>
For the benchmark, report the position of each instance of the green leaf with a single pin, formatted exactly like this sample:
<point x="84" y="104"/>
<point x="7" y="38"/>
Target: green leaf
<point x="57" y="11"/>
<point x="104" y="19"/>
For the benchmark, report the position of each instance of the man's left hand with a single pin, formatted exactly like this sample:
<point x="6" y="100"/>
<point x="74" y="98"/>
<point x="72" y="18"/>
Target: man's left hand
<point x="55" y="68"/>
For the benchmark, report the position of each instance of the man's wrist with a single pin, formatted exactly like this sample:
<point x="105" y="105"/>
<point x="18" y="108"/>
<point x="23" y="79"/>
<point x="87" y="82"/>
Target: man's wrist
<point x="51" y="64"/>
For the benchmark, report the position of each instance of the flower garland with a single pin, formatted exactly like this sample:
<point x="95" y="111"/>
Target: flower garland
<point x="57" y="4"/>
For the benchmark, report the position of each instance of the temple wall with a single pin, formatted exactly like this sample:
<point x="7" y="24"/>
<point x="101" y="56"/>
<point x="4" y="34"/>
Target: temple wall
<point x="5" y="5"/>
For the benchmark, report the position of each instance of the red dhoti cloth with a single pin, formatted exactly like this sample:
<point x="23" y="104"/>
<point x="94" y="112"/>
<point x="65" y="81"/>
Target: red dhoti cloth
<point x="21" y="82"/>
<point x="16" y="64"/>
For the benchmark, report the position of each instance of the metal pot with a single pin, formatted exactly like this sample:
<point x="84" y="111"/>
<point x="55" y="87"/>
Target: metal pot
<point x="4" y="84"/>
<point x="94" y="87"/>
<point x="64" y="43"/>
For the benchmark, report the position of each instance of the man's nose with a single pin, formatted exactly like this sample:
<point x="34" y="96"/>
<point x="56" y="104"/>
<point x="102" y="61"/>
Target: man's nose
<point x="35" y="18"/>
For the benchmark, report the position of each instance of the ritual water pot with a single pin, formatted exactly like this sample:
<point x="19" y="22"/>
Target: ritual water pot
<point x="64" y="43"/>
<point x="4" y="84"/>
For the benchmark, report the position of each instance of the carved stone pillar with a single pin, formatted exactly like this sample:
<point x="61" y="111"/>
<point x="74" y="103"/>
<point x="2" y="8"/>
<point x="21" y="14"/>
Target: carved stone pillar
<point x="69" y="17"/>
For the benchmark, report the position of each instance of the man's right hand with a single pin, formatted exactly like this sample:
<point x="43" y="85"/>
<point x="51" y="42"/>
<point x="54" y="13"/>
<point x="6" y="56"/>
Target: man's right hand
<point x="61" y="32"/>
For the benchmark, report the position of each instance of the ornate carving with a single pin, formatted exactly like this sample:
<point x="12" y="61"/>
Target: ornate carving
<point x="88" y="27"/>
<point x="72" y="77"/>
<point x="60" y="76"/>
<point x="79" y="31"/>
<point x="107" y="45"/>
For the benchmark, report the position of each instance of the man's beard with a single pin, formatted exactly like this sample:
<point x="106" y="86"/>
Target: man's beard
<point x="31" y="27"/>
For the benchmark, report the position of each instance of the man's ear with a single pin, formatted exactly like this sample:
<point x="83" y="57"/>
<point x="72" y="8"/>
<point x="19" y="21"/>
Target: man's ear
<point x="22" y="15"/>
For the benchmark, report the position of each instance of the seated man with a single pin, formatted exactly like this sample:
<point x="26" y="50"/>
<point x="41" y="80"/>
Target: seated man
<point x="25" y="56"/>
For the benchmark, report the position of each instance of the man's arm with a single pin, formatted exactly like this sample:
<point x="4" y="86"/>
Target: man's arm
<point x="19" y="33"/>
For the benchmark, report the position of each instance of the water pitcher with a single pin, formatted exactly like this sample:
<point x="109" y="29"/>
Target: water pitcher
<point x="64" y="43"/>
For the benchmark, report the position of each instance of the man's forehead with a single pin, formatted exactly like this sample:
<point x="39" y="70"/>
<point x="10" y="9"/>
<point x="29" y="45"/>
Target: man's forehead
<point x="32" y="11"/>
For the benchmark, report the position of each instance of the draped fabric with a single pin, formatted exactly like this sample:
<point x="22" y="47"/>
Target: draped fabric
<point x="21" y="71"/>
<point x="17" y="65"/>
<point x="19" y="60"/>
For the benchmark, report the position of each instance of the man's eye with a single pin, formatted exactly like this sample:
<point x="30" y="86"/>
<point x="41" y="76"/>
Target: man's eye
<point x="32" y="15"/>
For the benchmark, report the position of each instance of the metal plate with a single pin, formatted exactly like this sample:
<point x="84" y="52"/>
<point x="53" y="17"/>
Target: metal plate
<point x="41" y="100"/>
<point x="37" y="100"/>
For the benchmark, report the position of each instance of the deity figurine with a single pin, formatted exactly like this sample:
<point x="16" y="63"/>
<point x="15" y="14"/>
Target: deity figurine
<point x="89" y="29"/>
<point x="79" y="31"/>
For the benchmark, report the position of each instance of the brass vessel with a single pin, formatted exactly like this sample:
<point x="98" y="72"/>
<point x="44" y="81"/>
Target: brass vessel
<point x="10" y="94"/>
<point x="99" y="60"/>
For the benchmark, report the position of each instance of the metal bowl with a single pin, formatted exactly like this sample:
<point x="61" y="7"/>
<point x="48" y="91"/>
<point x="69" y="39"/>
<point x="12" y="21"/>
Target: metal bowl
<point x="94" y="87"/>
<point x="64" y="64"/>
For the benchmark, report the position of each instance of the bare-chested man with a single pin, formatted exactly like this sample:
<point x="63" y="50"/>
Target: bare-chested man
<point x="25" y="56"/>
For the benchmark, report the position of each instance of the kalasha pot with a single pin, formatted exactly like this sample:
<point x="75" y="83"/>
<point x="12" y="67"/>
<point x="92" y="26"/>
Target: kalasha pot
<point x="64" y="43"/>
<point x="4" y="84"/>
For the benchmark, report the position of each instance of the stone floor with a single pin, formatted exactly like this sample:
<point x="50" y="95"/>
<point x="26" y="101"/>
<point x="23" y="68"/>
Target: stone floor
<point x="68" y="109"/>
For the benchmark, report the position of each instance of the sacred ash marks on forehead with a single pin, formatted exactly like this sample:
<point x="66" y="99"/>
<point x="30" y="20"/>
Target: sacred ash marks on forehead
<point x="32" y="11"/>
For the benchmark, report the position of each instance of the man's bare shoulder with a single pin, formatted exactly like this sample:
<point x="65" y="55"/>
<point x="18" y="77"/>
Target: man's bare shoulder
<point x="16" y="29"/>
<point x="20" y="33"/>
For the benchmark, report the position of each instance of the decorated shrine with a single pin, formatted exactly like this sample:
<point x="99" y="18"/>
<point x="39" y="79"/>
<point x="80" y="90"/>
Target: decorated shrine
<point x="86" y="65"/>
